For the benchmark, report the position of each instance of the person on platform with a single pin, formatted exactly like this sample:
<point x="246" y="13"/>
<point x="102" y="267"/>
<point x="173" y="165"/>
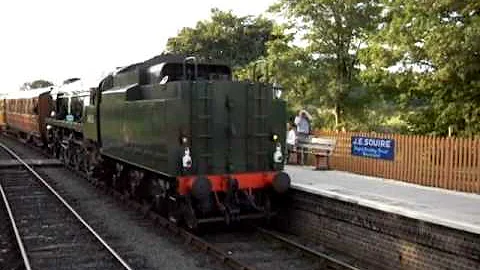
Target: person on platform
<point x="302" y="121"/>
<point x="291" y="141"/>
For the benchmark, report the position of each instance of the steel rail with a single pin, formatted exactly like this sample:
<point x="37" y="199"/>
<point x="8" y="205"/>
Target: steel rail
<point x="103" y="242"/>
<point x="306" y="249"/>
<point x="26" y="261"/>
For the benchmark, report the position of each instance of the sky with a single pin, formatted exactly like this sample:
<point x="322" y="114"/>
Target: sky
<point x="56" y="40"/>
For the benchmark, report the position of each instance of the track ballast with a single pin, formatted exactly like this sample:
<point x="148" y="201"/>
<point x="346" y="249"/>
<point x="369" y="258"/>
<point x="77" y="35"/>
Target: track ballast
<point x="49" y="233"/>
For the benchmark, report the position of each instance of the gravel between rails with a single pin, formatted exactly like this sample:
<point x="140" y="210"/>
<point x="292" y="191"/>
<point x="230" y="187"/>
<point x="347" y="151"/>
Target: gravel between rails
<point x="117" y="224"/>
<point x="20" y="149"/>
<point x="160" y="249"/>
<point x="52" y="235"/>
<point x="10" y="258"/>
<point x="262" y="252"/>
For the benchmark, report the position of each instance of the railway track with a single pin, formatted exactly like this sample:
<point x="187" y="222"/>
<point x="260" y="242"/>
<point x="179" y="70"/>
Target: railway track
<point x="249" y="248"/>
<point x="259" y="248"/>
<point x="50" y="234"/>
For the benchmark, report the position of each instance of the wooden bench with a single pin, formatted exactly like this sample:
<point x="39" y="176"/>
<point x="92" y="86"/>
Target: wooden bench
<point x="320" y="148"/>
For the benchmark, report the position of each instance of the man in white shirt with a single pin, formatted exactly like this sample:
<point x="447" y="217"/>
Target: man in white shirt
<point x="291" y="141"/>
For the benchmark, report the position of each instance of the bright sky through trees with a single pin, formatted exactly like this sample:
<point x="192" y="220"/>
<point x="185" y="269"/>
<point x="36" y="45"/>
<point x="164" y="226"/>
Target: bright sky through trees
<point x="56" y="40"/>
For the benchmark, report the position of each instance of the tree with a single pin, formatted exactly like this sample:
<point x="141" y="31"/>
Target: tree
<point x="226" y="37"/>
<point x="335" y="32"/>
<point x="35" y="84"/>
<point x="433" y="50"/>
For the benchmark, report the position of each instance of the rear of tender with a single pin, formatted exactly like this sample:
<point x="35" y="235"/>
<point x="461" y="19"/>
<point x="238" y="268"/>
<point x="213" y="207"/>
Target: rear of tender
<point x="214" y="145"/>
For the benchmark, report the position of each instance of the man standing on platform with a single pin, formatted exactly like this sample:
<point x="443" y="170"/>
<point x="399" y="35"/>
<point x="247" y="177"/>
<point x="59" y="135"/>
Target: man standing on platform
<point x="291" y="141"/>
<point x="302" y="121"/>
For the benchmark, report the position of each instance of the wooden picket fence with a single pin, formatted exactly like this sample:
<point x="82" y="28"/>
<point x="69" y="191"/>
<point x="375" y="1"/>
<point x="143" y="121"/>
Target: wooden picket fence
<point x="450" y="163"/>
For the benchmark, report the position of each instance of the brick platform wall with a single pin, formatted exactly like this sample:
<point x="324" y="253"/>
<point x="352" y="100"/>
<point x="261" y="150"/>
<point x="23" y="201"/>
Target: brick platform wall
<point x="378" y="239"/>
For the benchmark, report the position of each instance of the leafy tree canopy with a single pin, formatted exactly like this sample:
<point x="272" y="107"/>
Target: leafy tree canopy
<point x="384" y="65"/>
<point x="334" y="32"/>
<point x="226" y="37"/>
<point x="432" y="49"/>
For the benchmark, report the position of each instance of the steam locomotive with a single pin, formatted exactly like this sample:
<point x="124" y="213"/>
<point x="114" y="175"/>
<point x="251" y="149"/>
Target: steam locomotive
<point x="176" y="133"/>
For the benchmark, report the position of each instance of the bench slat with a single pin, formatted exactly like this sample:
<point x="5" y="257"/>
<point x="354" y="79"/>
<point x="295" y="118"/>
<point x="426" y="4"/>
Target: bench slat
<point x="320" y="147"/>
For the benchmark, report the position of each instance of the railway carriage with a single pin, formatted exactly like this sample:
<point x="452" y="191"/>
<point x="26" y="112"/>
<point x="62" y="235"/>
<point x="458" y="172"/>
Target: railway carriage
<point x="25" y="112"/>
<point x="2" y="112"/>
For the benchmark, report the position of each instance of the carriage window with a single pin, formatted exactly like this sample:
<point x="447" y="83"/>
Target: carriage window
<point x="35" y="106"/>
<point x="93" y="95"/>
<point x="86" y="101"/>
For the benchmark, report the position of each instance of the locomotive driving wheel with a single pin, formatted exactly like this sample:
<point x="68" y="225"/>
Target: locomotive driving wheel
<point x="174" y="211"/>
<point x="189" y="216"/>
<point x="63" y="154"/>
<point x="56" y="149"/>
<point x="85" y="165"/>
<point x="77" y="157"/>
<point x="90" y="163"/>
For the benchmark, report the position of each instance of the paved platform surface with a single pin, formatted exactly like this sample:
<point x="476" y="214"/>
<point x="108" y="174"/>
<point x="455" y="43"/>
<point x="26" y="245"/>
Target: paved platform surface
<point x="452" y="209"/>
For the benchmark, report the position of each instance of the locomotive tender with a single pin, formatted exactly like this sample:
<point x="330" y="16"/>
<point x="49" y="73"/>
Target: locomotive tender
<point x="178" y="134"/>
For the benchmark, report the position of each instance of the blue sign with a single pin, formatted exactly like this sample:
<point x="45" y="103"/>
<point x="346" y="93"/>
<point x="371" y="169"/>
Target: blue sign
<point x="373" y="147"/>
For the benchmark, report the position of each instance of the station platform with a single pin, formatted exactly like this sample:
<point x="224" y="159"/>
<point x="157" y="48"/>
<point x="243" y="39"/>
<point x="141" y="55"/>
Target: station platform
<point x="451" y="209"/>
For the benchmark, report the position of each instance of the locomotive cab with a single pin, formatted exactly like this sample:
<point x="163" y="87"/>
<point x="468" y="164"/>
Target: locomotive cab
<point x="70" y="100"/>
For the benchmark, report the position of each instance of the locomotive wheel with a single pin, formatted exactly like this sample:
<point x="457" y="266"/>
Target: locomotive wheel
<point x="84" y="165"/>
<point x="81" y="154"/>
<point x="106" y="173"/>
<point x="88" y="164"/>
<point x="60" y="155"/>
<point x="76" y="158"/>
<point x="67" y="155"/>
<point x="54" y="150"/>
<point x="117" y="175"/>
<point x="174" y="210"/>
<point x="189" y="215"/>
<point x="163" y="197"/>
<point x="63" y="155"/>
<point x="87" y="168"/>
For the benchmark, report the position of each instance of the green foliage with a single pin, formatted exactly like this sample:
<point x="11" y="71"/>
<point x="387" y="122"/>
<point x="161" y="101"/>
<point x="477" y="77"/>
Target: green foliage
<point x="226" y="37"/>
<point x="35" y="84"/>
<point x="435" y="46"/>
<point x="373" y="65"/>
<point x="334" y="31"/>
